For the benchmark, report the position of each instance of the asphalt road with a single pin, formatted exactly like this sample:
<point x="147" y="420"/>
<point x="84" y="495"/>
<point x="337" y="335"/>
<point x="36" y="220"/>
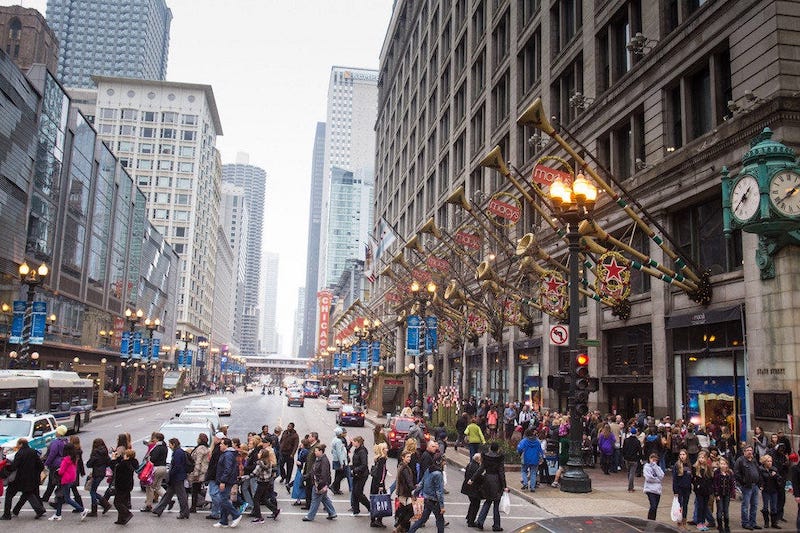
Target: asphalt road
<point x="250" y="411"/>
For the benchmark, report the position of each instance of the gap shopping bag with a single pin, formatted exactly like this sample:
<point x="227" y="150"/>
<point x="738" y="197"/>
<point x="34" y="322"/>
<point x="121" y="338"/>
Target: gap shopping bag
<point x="380" y="505"/>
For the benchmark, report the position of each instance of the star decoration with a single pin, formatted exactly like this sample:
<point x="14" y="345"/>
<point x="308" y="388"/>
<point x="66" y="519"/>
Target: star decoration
<point x="613" y="270"/>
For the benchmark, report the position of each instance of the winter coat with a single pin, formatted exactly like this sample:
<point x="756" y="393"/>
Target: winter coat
<point x="211" y="469"/>
<point x="378" y="473"/>
<point x="433" y="486"/>
<point x="360" y="465"/>
<point x="158" y="454"/>
<point x="632" y="450"/>
<point x="123" y="475"/>
<point x="338" y="453"/>
<point x="289" y="442"/>
<point x="692" y="443"/>
<point x="702" y="485"/>
<point x="494" y="475"/>
<point x="771" y="480"/>
<point x="474" y="434"/>
<point x="227" y="468"/>
<point x="473" y="489"/>
<point x="531" y="450"/>
<point x="55" y="452"/>
<point x="652" y="444"/>
<point x="264" y="472"/>
<point x="68" y="471"/>
<point x="746" y="472"/>
<point x="177" y="466"/>
<point x="28" y="466"/>
<point x="724" y="485"/>
<point x="405" y="481"/>
<point x="681" y="483"/>
<point x="98" y="462"/>
<point x="653" y="477"/>
<point x="321" y="472"/>
<point x="201" y="458"/>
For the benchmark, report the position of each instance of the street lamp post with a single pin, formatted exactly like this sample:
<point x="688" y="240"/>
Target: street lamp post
<point x="152" y="326"/>
<point x="133" y="318"/>
<point x="422" y="300"/>
<point x="202" y="346"/>
<point x="32" y="278"/>
<point x="574" y="205"/>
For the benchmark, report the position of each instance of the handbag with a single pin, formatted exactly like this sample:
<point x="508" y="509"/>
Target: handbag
<point x="87" y="485"/>
<point x="146" y="474"/>
<point x="43" y="475"/>
<point x="109" y="474"/>
<point x="505" y="504"/>
<point x="380" y="505"/>
<point x="418" y="505"/>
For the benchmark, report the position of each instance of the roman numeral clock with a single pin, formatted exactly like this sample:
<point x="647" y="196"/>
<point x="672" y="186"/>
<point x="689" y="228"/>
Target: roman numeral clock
<point x="764" y="198"/>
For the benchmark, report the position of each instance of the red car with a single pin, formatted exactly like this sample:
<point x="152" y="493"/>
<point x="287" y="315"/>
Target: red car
<point x="397" y="432"/>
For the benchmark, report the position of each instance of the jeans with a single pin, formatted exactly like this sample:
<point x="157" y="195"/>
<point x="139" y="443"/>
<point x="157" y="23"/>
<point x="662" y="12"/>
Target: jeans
<point x="474" y="447"/>
<point x="226" y="508"/>
<point x="701" y="503"/>
<point x="430" y="506"/>
<point x="749" y="505"/>
<point x="683" y="500"/>
<point x="654" y="500"/>
<point x="529" y="475"/>
<point x="618" y="458"/>
<point x="318" y="498"/>
<point x="631" y="466"/>
<point x="605" y="462"/>
<point x="265" y="491"/>
<point x="248" y="490"/>
<point x="213" y="492"/>
<point x="93" y="491"/>
<point x="723" y="507"/>
<point x="67" y="498"/>
<point x="770" y="502"/>
<point x="485" y="511"/>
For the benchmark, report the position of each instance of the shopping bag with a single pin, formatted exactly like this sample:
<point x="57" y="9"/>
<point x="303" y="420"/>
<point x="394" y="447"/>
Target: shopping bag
<point x="146" y="475"/>
<point x="418" y="505"/>
<point x="207" y="497"/>
<point x="87" y="486"/>
<point x="109" y="475"/>
<point x="380" y="505"/>
<point x="505" y="504"/>
<point x="676" y="514"/>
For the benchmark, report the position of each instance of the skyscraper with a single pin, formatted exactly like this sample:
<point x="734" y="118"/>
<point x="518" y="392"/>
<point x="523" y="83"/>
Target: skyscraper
<point x="269" y="306"/>
<point x="350" y="147"/>
<point x="165" y="136"/>
<point x="312" y="251"/>
<point x="254" y="181"/>
<point x="121" y="38"/>
<point x="299" y="321"/>
<point x="234" y="219"/>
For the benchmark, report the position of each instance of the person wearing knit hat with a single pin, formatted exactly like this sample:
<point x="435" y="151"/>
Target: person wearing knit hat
<point x="61" y="430"/>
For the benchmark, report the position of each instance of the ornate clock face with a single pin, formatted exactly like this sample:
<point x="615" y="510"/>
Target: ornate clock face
<point x="784" y="191"/>
<point x="745" y="198"/>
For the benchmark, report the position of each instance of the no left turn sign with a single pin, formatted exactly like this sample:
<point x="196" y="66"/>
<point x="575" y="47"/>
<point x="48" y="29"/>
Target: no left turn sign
<point x="559" y="335"/>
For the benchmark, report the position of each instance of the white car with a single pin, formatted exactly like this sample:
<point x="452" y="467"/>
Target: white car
<point x="39" y="429"/>
<point x="186" y="431"/>
<point x="205" y="404"/>
<point x="197" y="413"/>
<point x="334" y="402"/>
<point x="222" y="405"/>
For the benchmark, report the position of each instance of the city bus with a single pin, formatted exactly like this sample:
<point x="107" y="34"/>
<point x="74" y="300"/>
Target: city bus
<point x="63" y="394"/>
<point x="311" y="388"/>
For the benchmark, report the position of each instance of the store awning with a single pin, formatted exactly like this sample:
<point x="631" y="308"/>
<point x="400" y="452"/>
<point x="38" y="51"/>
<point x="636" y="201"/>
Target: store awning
<point x="706" y="316"/>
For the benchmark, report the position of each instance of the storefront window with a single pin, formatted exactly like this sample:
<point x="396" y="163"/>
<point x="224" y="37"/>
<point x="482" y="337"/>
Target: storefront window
<point x="630" y="351"/>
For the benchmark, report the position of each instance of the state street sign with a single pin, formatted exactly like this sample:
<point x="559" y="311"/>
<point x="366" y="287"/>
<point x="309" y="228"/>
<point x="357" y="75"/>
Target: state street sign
<point x="559" y="335"/>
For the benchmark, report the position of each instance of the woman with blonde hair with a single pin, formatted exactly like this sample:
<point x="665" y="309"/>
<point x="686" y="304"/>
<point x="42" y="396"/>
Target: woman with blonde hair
<point x="378" y="473"/>
<point x="682" y="484"/>
<point x="703" y="485"/>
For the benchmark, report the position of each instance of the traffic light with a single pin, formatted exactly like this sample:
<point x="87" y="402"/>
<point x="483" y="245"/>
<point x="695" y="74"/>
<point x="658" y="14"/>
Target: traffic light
<point x="582" y="384"/>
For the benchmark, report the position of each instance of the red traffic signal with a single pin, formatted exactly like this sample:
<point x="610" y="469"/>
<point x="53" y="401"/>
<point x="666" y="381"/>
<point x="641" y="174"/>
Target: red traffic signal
<point x="582" y="359"/>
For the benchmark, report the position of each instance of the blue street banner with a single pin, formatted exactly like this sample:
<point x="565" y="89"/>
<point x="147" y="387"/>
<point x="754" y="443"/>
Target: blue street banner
<point x="200" y="360"/>
<point x="336" y="361"/>
<point x="314" y="369"/>
<point x="38" y="322"/>
<point x="137" y="345"/>
<point x="124" y="344"/>
<point x="155" y="349"/>
<point x="344" y="362"/>
<point x="145" y="348"/>
<point x="431" y="333"/>
<point x="376" y="353"/>
<point x="354" y="356"/>
<point x="18" y="322"/>
<point x="223" y="363"/>
<point x="363" y="361"/>
<point x="412" y="334"/>
<point x="188" y="359"/>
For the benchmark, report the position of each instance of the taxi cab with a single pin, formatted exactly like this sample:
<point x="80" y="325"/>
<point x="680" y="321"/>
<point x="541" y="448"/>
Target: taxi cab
<point x="38" y="428"/>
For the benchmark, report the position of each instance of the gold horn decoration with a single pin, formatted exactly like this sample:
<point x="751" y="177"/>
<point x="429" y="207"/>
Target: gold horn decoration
<point x="492" y="286"/>
<point x="485" y="272"/>
<point x="430" y="227"/>
<point x="459" y="198"/>
<point x="414" y="244"/>
<point x="452" y="292"/>
<point x="528" y="264"/>
<point x="494" y="159"/>
<point x="525" y="243"/>
<point x="535" y="116"/>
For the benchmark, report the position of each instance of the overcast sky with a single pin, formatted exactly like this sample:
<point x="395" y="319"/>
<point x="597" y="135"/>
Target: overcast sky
<point x="268" y="62"/>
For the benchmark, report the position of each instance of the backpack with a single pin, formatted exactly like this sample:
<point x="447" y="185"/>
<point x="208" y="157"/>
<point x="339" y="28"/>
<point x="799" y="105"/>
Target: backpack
<point x="189" y="463"/>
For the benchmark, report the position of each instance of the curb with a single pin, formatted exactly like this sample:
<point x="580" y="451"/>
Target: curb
<point x="105" y="413"/>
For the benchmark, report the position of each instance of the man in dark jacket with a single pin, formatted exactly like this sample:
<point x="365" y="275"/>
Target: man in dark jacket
<point x="320" y="484"/>
<point x="211" y="477"/>
<point x="27" y="466"/>
<point x="494" y="484"/>
<point x="360" y="468"/>
<point x="632" y="454"/>
<point x="308" y="477"/>
<point x="227" y="474"/>
<point x="289" y="443"/>
<point x="177" y="475"/>
<point x="747" y="476"/>
<point x="472" y="490"/>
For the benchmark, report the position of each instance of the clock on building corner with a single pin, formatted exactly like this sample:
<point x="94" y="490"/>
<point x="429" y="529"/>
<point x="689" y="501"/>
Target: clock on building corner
<point x="764" y="198"/>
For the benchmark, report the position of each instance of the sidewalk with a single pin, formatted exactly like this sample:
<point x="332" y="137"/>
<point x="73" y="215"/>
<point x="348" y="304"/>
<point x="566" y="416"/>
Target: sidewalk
<point x="609" y="494"/>
<point x="139" y="405"/>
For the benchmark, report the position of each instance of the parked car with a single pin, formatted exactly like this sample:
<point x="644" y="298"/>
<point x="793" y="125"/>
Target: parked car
<point x="295" y="397"/>
<point x="199" y="413"/>
<point x="222" y="405"/>
<point x="397" y="431"/>
<point x="334" y="402"/>
<point x="38" y="428"/>
<point x="350" y="415"/>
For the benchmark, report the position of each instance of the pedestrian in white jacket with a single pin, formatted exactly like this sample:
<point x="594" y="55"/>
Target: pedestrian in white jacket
<point x="653" y="476"/>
